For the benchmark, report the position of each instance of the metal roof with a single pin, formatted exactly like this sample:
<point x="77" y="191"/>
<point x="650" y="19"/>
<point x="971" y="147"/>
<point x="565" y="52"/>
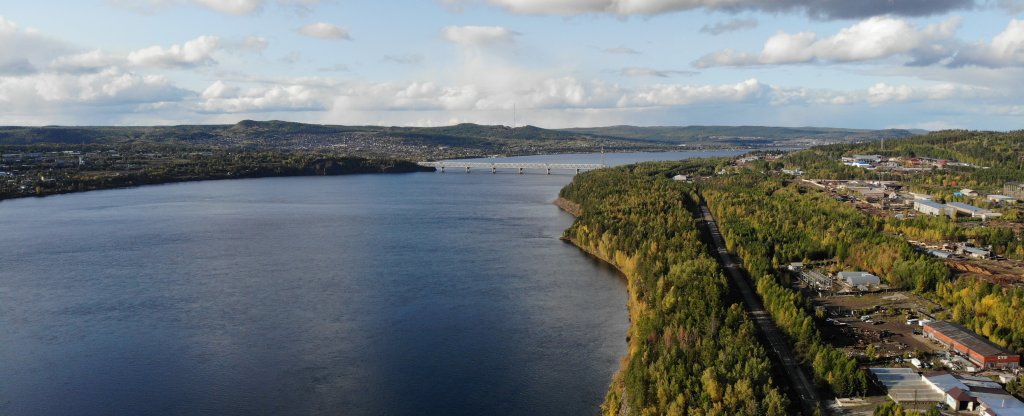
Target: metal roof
<point x="968" y="338"/>
<point x="929" y="203"/>
<point x="906" y="385"/>
<point x="946" y="382"/>
<point x="960" y="206"/>
<point x="1001" y="404"/>
<point x="959" y="394"/>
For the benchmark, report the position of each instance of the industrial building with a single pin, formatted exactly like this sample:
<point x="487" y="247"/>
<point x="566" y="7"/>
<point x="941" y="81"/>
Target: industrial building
<point x="976" y="348"/>
<point x="906" y="385"/>
<point x="1002" y="198"/>
<point x="975" y="252"/>
<point x="931" y="207"/>
<point x="858" y="278"/>
<point x="966" y="209"/>
<point x="1014" y="189"/>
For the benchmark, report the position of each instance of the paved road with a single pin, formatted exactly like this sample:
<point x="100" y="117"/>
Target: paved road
<point x="777" y="340"/>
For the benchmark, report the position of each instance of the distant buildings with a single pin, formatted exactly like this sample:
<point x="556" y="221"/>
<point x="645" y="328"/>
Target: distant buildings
<point x="1014" y="189"/>
<point x="934" y="208"/>
<point x="931" y="207"/>
<point x="972" y="210"/>
<point x="974" y="394"/>
<point x="859" y="278"/>
<point x="1002" y="198"/>
<point x="976" y="348"/>
<point x="966" y="209"/>
<point x="974" y="252"/>
<point x="867" y="158"/>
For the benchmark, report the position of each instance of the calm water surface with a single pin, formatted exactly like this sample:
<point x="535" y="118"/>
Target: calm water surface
<point x="416" y="294"/>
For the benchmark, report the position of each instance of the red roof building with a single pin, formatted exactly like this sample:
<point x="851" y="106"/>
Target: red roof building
<point x="973" y="346"/>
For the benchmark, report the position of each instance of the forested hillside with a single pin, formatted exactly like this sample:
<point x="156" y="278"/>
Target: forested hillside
<point x="690" y="351"/>
<point x="999" y="158"/>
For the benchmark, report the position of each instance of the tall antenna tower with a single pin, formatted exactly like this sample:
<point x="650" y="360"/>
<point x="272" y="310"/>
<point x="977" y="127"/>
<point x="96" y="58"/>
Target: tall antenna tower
<point x="514" y="116"/>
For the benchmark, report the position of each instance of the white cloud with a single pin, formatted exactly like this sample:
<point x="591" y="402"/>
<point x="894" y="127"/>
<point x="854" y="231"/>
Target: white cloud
<point x="94" y="60"/>
<point x="819" y="9"/>
<point x="1006" y="49"/>
<point x="297" y="96"/>
<point x="882" y="93"/>
<point x="220" y="90"/>
<point x="675" y="95"/>
<point x="110" y="86"/>
<point x="874" y="38"/>
<point x="403" y="59"/>
<point x="729" y="26"/>
<point x="323" y="30"/>
<point x="478" y="36"/>
<point x="232" y="6"/>
<point x="24" y="51"/>
<point x="334" y="68"/>
<point x="651" y="72"/>
<point x="255" y="43"/>
<point x="196" y="52"/>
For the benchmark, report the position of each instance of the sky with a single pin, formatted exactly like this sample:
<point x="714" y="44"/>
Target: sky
<point x="928" y="64"/>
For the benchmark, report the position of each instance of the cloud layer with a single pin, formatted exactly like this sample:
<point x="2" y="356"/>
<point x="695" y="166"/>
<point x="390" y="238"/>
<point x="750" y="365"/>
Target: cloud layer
<point x="478" y="36"/>
<point x="326" y="31"/>
<point x="817" y="9"/>
<point x="874" y="38"/>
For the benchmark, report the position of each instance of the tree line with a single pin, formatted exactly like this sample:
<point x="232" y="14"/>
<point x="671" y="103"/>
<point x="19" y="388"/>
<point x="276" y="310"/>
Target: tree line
<point x="691" y="352"/>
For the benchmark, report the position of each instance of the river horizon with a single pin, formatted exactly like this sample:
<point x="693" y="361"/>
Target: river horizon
<point x="416" y="293"/>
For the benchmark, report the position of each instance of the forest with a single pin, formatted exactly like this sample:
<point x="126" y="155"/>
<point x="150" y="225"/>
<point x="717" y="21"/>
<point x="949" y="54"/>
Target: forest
<point x="644" y="223"/>
<point x="998" y="157"/>
<point x="769" y="223"/>
<point x="42" y="170"/>
<point x="691" y="352"/>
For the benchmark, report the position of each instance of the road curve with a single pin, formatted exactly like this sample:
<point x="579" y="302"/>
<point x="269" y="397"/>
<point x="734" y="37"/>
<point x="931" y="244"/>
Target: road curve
<point x="778" y="343"/>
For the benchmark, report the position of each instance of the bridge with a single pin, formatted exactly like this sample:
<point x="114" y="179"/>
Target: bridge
<point x="547" y="167"/>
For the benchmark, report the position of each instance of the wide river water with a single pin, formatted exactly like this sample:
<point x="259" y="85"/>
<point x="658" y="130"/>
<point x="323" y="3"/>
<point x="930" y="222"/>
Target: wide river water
<point x="408" y="294"/>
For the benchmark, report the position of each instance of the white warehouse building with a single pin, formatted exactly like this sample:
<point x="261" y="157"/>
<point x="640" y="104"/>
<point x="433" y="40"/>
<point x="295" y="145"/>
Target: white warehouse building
<point x="932" y="208"/>
<point x="859" y="278"/>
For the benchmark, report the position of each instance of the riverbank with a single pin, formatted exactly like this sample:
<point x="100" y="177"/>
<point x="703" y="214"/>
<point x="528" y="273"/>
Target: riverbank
<point x="616" y="390"/>
<point x="94" y="181"/>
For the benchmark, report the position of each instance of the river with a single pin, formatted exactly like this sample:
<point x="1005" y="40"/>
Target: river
<point x="424" y="293"/>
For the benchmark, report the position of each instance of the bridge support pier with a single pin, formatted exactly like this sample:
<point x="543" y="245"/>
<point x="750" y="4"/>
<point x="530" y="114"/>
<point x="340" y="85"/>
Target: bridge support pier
<point x="442" y="169"/>
<point x="494" y="170"/>
<point x="520" y="171"/>
<point x="549" y="170"/>
<point x="577" y="171"/>
<point x="467" y="169"/>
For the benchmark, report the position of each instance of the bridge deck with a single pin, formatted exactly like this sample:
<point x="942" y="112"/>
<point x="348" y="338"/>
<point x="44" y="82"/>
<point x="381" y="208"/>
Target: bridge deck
<point x="507" y="165"/>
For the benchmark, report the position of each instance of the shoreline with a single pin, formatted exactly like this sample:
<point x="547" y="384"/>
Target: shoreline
<point x="615" y="384"/>
<point x="139" y="181"/>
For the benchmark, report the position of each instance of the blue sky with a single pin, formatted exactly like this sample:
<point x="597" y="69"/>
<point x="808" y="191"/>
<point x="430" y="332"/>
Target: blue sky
<point x="929" y="64"/>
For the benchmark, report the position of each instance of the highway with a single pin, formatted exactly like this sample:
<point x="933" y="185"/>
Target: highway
<point x="778" y="343"/>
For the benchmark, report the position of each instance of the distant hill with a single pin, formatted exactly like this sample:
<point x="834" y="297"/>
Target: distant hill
<point x="280" y="130"/>
<point x="743" y="135"/>
<point x="472" y="138"/>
